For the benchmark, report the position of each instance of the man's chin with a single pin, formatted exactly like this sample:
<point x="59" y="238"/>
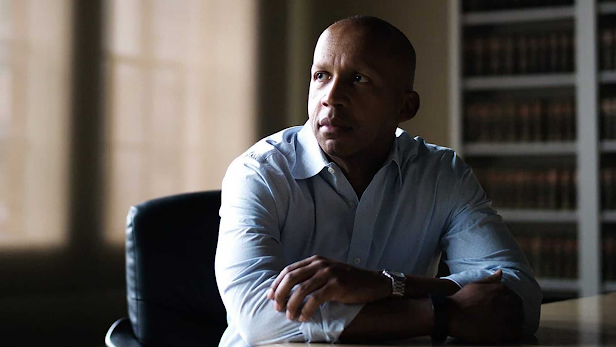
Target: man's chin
<point x="335" y="148"/>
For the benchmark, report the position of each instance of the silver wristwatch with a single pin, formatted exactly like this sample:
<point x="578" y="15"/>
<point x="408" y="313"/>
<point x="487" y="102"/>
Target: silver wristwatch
<point x="398" y="282"/>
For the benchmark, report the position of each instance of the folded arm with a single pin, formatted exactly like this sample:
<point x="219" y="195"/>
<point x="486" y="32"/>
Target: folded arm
<point x="477" y="243"/>
<point x="498" y="289"/>
<point x="323" y="300"/>
<point x="250" y="255"/>
<point x="486" y="303"/>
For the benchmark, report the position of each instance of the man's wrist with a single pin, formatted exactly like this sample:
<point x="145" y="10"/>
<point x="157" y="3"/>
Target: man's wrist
<point x="398" y="282"/>
<point x="382" y="286"/>
<point x="440" y="327"/>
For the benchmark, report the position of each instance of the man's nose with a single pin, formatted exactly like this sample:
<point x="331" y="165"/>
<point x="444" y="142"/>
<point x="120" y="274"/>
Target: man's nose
<point x="336" y="94"/>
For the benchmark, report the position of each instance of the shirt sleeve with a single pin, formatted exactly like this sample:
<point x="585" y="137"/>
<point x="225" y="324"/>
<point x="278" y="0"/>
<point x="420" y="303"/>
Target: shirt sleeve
<point x="477" y="243"/>
<point x="250" y="255"/>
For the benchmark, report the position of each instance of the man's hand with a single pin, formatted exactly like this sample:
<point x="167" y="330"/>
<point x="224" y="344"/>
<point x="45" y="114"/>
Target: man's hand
<point x="486" y="311"/>
<point x="322" y="280"/>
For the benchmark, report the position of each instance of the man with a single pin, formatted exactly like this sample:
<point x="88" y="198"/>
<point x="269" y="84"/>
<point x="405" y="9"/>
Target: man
<point x="333" y="231"/>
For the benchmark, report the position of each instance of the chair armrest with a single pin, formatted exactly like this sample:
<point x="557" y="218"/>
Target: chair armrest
<point x="120" y="334"/>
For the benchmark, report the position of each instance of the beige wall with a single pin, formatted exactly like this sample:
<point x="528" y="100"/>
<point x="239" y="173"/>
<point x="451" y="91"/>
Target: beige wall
<point x="425" y="24"/>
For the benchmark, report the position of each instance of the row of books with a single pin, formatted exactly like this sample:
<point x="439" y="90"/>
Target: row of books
<point x="551" y="256"/>
<point x="547" y="189"/>
<point x="490" y="5"/>
<point x="524" y="53"/>
<point x="607" y="49"/>
<point x="524" y="121"/>
<point x="608" y="118"/>
<point x="555" y="256"/>
<point x="608" y="188"/>
<point x="608" y="246"/>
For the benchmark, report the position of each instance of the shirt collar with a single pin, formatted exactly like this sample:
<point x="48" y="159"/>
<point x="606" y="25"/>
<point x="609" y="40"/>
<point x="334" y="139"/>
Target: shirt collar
<point x="311" y="160"/>
<point x="394" y="156"/>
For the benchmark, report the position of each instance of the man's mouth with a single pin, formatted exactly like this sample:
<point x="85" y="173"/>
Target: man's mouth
<point x="328" y="125"/>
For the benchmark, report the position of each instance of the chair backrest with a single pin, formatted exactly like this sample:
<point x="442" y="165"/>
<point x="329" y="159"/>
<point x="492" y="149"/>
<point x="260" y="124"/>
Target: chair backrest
<point x="172" y="295"/>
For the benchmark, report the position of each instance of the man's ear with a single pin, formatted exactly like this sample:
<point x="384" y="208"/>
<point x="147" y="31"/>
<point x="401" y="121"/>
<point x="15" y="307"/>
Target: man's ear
<point x="410" y="106"/>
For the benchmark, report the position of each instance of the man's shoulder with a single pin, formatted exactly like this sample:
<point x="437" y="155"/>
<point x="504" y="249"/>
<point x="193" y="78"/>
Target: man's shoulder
<point x="418" y="155"/>
<point x="432" y="148"/>
<point x="274" y="154"/>
<point x="263" y="173"/>
<point x="277" y="147"/>
<point x="417" y="149"/>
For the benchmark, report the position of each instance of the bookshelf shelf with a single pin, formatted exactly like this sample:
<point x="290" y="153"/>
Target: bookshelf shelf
<point x="608" y="146"/>
<point x="541" y="216"/>
<point x="607" y="7"/>
<point x="608" y="216"/>
<point x="558" y="284"/>
<point x="522" y="149"/>
<point x="511" y="82"/>
<point x="517" y="16"/>
<point x="609" y="286"/>
<point x="607" y="76"/>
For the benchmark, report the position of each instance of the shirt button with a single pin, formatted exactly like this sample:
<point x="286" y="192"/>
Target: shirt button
<point x="351" y="204"/>
<point x="331" y="170"/>
<point x="356" y="261"/>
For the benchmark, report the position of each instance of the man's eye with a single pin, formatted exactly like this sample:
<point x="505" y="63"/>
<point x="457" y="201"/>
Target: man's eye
<point x="360" y="79"/>
<point x="320" y="76"/>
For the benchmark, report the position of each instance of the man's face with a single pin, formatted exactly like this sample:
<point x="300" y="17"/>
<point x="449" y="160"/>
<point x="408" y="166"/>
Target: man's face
<point x="357" y="94"/>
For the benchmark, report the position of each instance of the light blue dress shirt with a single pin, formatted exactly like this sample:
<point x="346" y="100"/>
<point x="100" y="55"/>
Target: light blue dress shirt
<point x="283" y="201"/>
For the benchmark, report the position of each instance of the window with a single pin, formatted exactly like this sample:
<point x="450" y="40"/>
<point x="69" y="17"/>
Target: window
<point x="35" y="48"/>
<point x="181" y="98"/>
<point x="180" y="105"/>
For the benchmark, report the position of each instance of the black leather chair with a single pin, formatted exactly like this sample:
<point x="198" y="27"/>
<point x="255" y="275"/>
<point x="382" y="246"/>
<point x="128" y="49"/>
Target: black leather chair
<point x="171" y="290"/>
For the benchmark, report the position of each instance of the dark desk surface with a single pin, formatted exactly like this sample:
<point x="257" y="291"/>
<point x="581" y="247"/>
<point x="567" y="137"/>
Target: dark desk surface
<point x="579" y="322"/>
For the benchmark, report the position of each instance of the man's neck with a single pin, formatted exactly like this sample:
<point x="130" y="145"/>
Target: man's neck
<point x="361" y="169"/>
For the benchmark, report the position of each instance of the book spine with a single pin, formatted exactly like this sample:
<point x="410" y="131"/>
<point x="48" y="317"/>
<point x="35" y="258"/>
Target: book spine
<point x="607" y="49"/>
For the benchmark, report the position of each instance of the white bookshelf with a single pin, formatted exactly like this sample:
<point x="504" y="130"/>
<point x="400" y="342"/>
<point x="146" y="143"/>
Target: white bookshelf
<point x="608" y="216"/>
<point x="587" y="96"/>
<point x="520" y="149"/>
<point x="609" y="286"/>
<point x="511" y="82"/>
<point x="538" y="216"/>
<point x="582" y="18"/>
<point x="607" y="7"/>
<point x="518" y="16"/>
<point x="607" y="76"/>
<point x="608" y="146"/>
<point x="558" y="285"/>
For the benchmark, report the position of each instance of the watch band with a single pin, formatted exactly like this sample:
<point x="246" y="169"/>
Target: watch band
<point x="439" y="332"/>
<point x="398" y="282"/>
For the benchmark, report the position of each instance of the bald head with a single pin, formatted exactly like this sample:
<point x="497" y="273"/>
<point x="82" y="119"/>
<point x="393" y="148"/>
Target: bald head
<point x="388" y="37"/>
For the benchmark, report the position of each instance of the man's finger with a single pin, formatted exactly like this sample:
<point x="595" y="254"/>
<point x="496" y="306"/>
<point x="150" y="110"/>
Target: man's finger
<point x="315" y="300"/>
<point x="288" y="282"/>
<point x="493" y="278"/>
<point x="282" y="274"/>
<point x="301" y="292"/>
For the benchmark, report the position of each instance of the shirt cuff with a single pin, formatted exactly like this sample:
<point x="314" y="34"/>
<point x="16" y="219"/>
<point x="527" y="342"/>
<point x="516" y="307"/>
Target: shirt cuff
<point x="329" y="322"/>
<point x="469" y="276"/>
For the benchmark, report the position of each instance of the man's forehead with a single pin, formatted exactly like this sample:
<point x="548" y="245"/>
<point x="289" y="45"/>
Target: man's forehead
<point x="350" y="43"/>
<point x="348" y="34"/>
